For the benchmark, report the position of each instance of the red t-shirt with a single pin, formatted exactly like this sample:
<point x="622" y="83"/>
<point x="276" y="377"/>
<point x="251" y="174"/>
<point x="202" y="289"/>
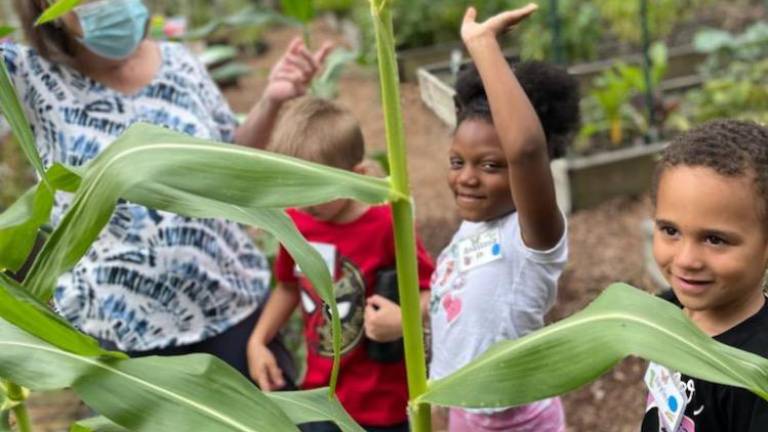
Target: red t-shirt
<point x="374" y="393"/>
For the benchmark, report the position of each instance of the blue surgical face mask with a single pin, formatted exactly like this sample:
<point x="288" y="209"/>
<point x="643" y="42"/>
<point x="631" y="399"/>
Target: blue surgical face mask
<point x="113" y="28"/>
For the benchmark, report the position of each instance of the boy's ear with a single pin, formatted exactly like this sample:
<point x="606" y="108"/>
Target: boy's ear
<point x="369" y="167"/>
<point x="361" y="168"/>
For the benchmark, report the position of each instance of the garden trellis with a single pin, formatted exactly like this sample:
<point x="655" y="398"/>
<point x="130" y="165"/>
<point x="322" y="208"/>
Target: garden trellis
<point x="149" y="165"/>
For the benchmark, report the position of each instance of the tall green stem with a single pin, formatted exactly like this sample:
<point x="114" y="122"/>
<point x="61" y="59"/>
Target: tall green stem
<point x="402" y="211"/>
<point x="16" y="393"/>
<point x="22" y="418"/>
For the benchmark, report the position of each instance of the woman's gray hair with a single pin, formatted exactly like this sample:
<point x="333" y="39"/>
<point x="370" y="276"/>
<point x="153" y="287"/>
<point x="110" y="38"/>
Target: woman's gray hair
<point x="50" y="40"/>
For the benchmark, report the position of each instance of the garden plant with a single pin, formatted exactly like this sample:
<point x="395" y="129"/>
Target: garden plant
<point x="608" y="109"/>
<point x="151" y="166"/>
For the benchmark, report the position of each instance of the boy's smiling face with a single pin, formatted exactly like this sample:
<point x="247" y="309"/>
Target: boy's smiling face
<point x="478" y="173"/>
<point x="711" y="243"/>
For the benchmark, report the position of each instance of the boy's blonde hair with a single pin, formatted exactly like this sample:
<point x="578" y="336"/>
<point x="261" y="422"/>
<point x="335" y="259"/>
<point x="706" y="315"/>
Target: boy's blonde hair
<point x="320" y="131"/>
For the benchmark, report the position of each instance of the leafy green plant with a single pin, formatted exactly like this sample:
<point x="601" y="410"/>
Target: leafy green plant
<point x="723" y="47"/>
<point x="302" y="11"/>
<point x="623" y="16"/>
<point x="339" y="7"/>
<point x="418" y="23"/>
<point x="246" y="19"/>
<point x="199" y="178"/>
<point x="581" y="32"/>
<point x="740" y="91"/>
<point x="735" y="76"/>
<point x="607" y="107"/>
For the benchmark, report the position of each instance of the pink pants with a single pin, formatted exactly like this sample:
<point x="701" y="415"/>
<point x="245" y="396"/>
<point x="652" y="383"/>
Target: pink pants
<point x="542" y="416"/>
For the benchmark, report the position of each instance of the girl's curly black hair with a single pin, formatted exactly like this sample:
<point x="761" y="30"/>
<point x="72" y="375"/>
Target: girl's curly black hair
<point x="553" y="93"/>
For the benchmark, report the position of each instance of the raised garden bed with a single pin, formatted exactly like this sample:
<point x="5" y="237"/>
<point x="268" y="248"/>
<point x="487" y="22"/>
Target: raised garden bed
<point x="595" y="179"/>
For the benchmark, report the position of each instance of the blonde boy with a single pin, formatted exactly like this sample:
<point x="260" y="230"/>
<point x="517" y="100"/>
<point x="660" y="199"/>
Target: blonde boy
<point x="357" y="242"/>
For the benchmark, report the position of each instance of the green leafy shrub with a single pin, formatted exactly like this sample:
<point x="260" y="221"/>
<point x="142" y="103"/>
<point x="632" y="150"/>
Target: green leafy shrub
<point x="739" y="92"/>
<point x="623" y="16"/>
<point x="608" y="110"/>
<point x="735" y="76"/>
<point x="581" y="32"/>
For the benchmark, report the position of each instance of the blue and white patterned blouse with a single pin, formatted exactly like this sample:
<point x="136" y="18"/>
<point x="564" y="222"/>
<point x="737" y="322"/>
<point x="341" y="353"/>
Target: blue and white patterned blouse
<point x="152" y="279"/>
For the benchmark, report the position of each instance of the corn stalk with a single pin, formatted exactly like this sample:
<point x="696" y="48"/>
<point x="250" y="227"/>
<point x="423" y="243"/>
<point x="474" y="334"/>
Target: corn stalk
<point x="402" y="212"/>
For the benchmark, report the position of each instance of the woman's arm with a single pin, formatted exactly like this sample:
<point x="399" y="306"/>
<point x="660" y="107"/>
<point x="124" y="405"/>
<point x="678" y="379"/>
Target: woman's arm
<point x="518" y="127"/>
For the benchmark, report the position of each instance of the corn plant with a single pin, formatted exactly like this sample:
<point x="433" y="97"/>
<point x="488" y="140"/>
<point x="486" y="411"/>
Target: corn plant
<point x="149" y="165"/>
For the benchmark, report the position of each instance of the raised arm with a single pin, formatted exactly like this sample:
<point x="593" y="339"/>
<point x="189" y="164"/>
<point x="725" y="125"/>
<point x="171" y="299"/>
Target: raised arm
<point x="518" y="127"/>
<point x="289" y="78"/>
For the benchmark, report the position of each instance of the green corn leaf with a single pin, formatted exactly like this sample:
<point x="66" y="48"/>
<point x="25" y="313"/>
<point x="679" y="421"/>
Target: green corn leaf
<point x="194" y="392"/>
<point x="301" y="10"/>
<point x="161" y="169"/>
<point x="19" y="226"/>
<point x="312" y="406"/>
<point x="149" y="157"/>
<point x="564" y="356"/>
<point x="23" y="310"/>
<point x="275" y="221"/>
<point x="55" y="11"/>
<point x="20" y="223"/>
<point x="6" y="30"/>
<point x="96" y="424"/>
<point x="65" y="178"/>
<point x="14" y="114"/>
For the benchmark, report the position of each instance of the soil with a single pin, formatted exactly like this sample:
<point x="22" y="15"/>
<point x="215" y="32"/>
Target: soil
<point x="606" y="243"/>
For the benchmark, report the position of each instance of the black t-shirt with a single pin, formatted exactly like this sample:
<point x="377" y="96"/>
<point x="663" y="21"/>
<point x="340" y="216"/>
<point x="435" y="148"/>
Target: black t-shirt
<point x="716" y="407"/>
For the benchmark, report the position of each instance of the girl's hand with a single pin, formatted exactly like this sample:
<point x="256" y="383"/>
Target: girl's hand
<point x="292" y="74"/>
<point x="383" y="319"/>
<point x="471" y="30"/>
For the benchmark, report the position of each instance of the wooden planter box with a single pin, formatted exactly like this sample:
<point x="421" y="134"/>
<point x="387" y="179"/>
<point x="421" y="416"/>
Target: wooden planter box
<point x="595" y="179"/>
<point x="585" y="182"/>
<point x="682" y="61"/>
<point x="411" y="60"/>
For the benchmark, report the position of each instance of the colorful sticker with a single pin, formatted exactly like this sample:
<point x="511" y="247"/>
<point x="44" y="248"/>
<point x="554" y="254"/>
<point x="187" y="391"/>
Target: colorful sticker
<point x="480" y="249"/>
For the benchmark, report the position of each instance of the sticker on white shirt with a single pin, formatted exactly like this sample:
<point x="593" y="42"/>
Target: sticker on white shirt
<point x="328" y="252"/>
<point x="451" y="304"/>
<point x="480" y="249"/>
<point x="667" y="392"/>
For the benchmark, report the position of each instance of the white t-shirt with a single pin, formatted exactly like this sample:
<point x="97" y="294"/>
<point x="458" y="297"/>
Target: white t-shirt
<point x="488" y="287"/>
<point x="152" y="279"/>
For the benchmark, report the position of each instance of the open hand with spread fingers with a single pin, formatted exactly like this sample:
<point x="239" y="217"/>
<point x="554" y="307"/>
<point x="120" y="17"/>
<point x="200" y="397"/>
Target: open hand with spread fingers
<point x="472" y="31"/>
<point x="293" y="73"/>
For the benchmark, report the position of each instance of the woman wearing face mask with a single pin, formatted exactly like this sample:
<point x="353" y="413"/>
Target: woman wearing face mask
<point x="154" y="282"/>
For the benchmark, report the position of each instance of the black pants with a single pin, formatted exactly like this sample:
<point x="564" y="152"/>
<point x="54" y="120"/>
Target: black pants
<point x="229" y="346"/>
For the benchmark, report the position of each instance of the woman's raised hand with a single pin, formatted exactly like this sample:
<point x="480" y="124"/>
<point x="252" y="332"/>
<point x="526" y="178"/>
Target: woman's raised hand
<point x="293" y="73"/>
